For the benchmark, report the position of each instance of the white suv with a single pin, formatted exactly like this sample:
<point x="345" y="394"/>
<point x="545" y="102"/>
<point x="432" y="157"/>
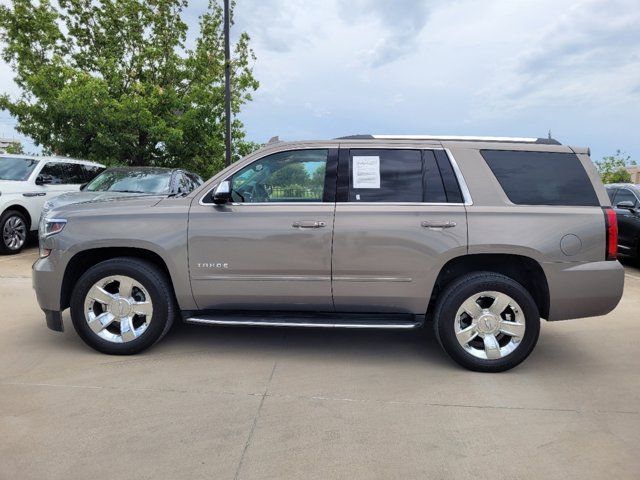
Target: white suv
<point x="26" y="183"/>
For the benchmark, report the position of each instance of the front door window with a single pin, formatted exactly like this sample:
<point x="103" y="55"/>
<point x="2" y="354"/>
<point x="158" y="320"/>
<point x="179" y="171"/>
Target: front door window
<point x="292" y="176"/>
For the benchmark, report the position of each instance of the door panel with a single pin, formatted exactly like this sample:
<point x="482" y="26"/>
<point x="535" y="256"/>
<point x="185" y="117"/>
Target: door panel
<point x="384" y="260"/>
<point x="392" y="237"/>
<point x="271" y="248"/>
<point x="252" y="257"/>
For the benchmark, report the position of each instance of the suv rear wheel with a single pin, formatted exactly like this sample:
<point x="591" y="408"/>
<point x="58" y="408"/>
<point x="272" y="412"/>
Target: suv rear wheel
<point x="122" y="306"/>
<point x="487" y="322"/>
<point x="13" y="231"/>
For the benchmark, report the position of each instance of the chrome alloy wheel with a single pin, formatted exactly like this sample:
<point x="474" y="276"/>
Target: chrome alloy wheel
<point x="118" y="309"/>
<point x="490" y="325"/>
<point x="14" y="233"/>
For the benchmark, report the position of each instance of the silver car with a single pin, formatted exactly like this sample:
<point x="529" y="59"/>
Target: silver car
<point x="118" y="182"/>
<point x="479" y="237"/>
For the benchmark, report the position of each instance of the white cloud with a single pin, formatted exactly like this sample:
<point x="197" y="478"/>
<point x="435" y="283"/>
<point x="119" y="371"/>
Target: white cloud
<point x="498" y="67"/>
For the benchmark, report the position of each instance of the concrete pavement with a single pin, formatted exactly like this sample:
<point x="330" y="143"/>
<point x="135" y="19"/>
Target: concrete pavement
<point x="225" y="403"/>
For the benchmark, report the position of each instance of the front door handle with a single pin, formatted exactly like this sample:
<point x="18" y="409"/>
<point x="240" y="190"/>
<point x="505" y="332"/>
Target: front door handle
<point x="435" y="225"/>
<point x="308" y="224"/>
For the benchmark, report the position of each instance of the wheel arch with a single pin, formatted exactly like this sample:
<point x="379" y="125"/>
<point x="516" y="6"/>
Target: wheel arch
<point x="85" y="259"/>
<point x="19" y="208"/>
<point x="524" y="270"/>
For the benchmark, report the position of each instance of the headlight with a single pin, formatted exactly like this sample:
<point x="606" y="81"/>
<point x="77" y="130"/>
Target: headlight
<point x="51" y="226"/>
<point x="47" y="228"/>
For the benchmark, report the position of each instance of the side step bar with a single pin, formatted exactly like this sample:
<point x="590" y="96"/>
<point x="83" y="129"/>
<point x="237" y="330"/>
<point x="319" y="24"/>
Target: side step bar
<point x="392" y="322"/>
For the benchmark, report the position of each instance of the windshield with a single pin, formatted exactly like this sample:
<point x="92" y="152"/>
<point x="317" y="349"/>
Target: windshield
<point x="130" y="181"/>
<point x="16" y="168"/>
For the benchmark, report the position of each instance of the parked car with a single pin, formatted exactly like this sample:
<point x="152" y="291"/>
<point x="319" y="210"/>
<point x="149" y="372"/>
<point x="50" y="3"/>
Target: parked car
<point x="26" y="182"/>
<point x="120" y="182"/>
<point x="481" y="237"/>
<point x="626" y="200"/>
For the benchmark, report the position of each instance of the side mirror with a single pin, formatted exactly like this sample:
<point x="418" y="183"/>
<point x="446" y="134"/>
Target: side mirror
<point x="43" y="180"/>
<point x="626" y="205"/>
<point x="222" y="194"/>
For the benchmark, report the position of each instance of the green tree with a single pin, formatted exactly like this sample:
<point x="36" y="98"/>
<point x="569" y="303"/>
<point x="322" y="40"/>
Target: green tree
<point x="612" y="168"/>
<point x="112" y="81"/>
<point x="14" y="148"/>
<point x="292" y="174"/>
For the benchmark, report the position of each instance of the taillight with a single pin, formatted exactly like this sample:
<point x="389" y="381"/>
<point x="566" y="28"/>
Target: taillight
<point x="611" y="222"/>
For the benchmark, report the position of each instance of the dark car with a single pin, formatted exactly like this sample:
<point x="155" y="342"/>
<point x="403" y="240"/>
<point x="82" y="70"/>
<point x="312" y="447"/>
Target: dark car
<point x="131" y="181"/>
<point x="625" y="197"/>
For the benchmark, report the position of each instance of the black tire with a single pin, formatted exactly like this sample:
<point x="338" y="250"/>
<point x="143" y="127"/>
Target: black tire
<point x="462" y="289"/>
<point x="151" y="278"/>
<point x="4" y="218"/>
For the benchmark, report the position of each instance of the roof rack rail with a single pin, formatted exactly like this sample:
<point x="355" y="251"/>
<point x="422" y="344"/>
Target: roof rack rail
<point x="455" y="138"/>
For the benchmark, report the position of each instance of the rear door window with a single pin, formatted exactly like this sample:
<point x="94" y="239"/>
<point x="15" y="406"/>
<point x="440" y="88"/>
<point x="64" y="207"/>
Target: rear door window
<point x="385" y="176"/>
<point x="73" y="173"/>
<point x="541" y="178"/>
<point x="91" y="172"/>
<point x="401" y="176"/>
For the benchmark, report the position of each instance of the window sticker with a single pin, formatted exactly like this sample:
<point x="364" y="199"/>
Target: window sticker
<point x="366" y="172"/>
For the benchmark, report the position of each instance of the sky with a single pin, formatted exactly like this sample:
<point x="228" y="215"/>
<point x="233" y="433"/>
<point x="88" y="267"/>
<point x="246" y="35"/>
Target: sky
<point x="439" y="67"/>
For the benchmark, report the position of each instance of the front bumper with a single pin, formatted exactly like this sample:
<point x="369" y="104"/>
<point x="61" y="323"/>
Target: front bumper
<point x="583" y="290"/>
<point x="47" y="283"/>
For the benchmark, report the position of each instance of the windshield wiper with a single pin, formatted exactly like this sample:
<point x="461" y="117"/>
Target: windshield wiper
<point x="128" y="191"/>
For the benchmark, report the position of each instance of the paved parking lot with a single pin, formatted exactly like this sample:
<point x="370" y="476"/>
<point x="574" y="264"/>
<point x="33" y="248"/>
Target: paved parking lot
<point x="226" y="403"/>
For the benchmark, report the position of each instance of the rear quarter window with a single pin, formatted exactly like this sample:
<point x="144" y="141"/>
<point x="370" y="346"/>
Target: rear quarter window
<point x="541" y="178"/>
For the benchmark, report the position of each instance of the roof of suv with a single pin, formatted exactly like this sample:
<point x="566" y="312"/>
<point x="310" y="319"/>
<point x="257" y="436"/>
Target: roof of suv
<point x="455" y="138"/>
<point x="51" y="159"/>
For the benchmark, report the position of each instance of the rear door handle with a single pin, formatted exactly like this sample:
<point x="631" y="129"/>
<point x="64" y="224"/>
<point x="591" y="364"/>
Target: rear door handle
<point x="308" y="224"/>
<point x="438" y="225"/>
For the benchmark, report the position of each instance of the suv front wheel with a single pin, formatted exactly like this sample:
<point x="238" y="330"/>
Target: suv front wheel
<point x="487" y="322"/>
<point x="122" y="306"/>
<point x="13" y="231"/>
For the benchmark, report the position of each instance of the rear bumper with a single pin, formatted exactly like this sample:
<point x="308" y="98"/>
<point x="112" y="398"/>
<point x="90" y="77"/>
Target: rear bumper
<point x="583" y="290"/>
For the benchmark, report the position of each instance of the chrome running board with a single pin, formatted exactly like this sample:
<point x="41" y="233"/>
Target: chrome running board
<point x="403" y="322"/>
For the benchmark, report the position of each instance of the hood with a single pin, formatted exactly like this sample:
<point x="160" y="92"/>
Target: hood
<point x="81" y="197"/>
<point x="10" y="186"/>
<point x="113" y="205"/>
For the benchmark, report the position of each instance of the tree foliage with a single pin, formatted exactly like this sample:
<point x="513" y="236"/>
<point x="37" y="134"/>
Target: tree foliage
<point x="612" y="168"/>
<point x="14" y="148"/>
<point x="113" y="81"/>
<point x="292" y="174"/>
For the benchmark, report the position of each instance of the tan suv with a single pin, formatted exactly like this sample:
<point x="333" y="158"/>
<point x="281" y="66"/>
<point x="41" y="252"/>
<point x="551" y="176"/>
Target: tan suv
<point x="480" y="236"/>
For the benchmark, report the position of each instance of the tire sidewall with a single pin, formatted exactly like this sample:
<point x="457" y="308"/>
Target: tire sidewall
<point x="453" y="298"/>
<point x="4" y="218"/>
<point x="150" y="278"/>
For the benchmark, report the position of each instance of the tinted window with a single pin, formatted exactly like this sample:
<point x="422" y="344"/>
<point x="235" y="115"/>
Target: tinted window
<point x="625" y="195"/>
<point x="186" y="183"/>
<point x="611" y="192"/>
<point x="197" y="181"/>
<point x="434" y="191"/>
<point x="405" y="176"/>
<point x="16" y="168"/>
<point x="91" y="172"/>
<point x="541" y="178"/>
<point x="293" y="176"/>
<point x="55" y="172"/>
<point x="452" y="189"/>
<point x="385" y="176"/>
<point x="73" y="173"/>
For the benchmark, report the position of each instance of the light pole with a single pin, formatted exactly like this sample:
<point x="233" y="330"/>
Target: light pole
<point x="227" y="85"/>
